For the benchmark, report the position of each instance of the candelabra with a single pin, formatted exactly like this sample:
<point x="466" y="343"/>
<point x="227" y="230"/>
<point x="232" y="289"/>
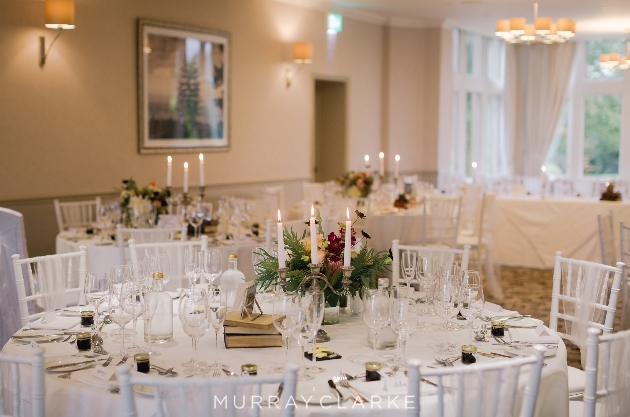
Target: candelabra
<point x="202" y="193"/>
<point x="315" y="276"/>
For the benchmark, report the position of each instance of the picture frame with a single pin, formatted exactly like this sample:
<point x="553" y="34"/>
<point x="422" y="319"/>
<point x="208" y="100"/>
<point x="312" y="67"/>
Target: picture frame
<point x="183" y="88"/>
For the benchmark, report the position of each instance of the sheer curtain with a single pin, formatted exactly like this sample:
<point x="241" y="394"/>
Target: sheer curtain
<point x="540" y="78"/>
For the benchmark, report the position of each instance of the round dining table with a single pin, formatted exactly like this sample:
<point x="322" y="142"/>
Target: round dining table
<point x="80" y="396"/>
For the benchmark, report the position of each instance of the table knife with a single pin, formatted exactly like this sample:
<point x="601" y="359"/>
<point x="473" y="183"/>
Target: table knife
<point x="65" y="365"/>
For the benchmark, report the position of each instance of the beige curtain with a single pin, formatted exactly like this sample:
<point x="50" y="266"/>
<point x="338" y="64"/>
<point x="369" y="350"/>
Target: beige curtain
<point x="540" y="83"/>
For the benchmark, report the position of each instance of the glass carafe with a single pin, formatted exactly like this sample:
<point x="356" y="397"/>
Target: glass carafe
<point x="162" y="323"/>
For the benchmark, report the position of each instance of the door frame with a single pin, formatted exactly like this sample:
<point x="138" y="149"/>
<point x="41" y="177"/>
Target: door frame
<point x="312" y="145"/>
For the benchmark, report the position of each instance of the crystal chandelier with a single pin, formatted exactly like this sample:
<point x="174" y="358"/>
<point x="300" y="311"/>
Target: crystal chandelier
<point x="615" y="61"/>
<point x="517" y="30"/>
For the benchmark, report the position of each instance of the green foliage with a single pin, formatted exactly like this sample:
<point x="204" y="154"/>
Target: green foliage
<point x="602" y="125"/>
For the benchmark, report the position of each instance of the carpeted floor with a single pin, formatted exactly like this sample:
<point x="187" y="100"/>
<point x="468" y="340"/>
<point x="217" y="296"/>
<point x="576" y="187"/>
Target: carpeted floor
<point x="528" y="291"/>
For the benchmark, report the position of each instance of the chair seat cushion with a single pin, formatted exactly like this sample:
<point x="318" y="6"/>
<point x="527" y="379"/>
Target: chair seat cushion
<point x="577" y="380"/>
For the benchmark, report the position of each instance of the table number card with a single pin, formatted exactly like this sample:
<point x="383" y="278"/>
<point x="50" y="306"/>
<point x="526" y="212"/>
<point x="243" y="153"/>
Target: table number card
<point x="103" y="373"/>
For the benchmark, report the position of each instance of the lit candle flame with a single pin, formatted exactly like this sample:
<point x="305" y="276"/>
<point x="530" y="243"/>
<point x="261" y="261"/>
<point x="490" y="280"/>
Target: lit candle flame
<point x="185" y="165"/>
<point x="279" y="218"/>
<point x="312" y="211"/>
<point x="169" y="159"/>
<point x="474" y="165"/>
<point x="543" y="168"/>
<point x="381" y="155"/>
<point x="201" y="157"/>
<point x="397" y="158"/>
<point x="367" y="158"/>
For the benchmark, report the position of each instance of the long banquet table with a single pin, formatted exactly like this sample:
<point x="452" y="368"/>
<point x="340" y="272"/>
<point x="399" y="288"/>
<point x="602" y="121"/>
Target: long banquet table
<point x="70" y="398"/>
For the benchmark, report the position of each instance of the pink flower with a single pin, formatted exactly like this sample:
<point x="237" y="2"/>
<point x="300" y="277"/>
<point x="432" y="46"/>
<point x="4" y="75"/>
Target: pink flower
<point x="321" y="255"/>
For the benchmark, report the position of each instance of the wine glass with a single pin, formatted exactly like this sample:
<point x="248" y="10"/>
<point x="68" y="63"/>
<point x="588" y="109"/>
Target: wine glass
<point x="375" y="315"/>
<point x="445" y="302"/>
<point x="163" y="266"/>
<point x="408" y="262"/>
<point x="404" y="323"/>
<point x="217" y="308"/>
<point x="317" y="305"/>
<point x="282" y="304"/>
<point x="95" y="290"/>
<point x="212" y="264"/>
<point x="427" y="273"/>
<point x="134" y="306"/>
<point x="193" y="314"/>
<point x="303" y="326"/>
<point x="120" y="292"/>
<point x="118" y="275"/>
<point x="192" y="258"/>
<point x="472" y="299"/>
<point x="150" y="306"/>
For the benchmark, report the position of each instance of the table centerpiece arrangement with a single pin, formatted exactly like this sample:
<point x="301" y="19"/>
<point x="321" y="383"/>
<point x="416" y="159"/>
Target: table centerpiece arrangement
<point x="356" y="184"/>
<point x="136" y="201"/>
<point x="366" y="264"/>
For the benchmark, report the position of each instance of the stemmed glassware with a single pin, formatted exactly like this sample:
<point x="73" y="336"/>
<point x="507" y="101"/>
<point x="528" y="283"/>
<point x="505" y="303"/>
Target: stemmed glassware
<point x="120" y="292"/>
<point x="445" y="302"/>
<point x="193" y="314"/>
<point x="427" y="273"/>
<point x="194" y="217"/>
<point x="472" y="299"/>
<point x="404" y="323"/>
<point x="150" y="305"/>
<point x="96" y="291"/>
<point x="303" y="324"/>
<point x="212" y="264"/>
<point x="375" y="315"/>
<point x="282" y="304"/>
<point x="408" y="262"/>
<point x="192" y="265"/>
<point x="318" y="304"/>
<point x="217" y="309"/>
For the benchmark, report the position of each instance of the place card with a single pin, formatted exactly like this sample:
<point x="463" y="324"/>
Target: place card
<point x="103" y="373"/>
<point x="396" y="385"/>
<point x="541" y="331"/>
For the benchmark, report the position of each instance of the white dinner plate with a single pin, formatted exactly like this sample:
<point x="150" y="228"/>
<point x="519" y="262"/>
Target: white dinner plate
<point x="39" y="336"/>
<point x="74" y="311"/>
<point x="147" y="390"/>
<point x="527" y="351"/>
<point x="315" y="396"/>
<point x="73" y="363"/>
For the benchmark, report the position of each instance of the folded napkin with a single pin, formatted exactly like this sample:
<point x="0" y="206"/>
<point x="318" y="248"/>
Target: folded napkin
<point x="495" y="310"/>
<point x="540" y="334"/>
<point x="59" y="323"/>
<point x="51" y="350"/>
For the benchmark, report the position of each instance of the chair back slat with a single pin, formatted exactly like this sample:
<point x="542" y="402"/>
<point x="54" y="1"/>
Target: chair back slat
<point x="76" y="213"/>
<point x="441" y="220"/>
<point x="444" y="255"/>
<point x="142" y="236"/>
<point x="487" y="390"/>
<point x="624" y="234"/>
<point x="607" y="238"/>
<point x="56" y="281"/>
<point x="10" y="366"/>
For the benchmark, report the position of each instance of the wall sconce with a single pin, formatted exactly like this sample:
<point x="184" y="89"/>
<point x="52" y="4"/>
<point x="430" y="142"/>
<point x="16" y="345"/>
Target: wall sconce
<point x="59" y="15"/>
<point x="302" y="54"/>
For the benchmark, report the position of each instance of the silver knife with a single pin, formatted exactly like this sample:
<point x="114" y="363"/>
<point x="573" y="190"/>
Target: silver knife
<point x="65" y="365"/>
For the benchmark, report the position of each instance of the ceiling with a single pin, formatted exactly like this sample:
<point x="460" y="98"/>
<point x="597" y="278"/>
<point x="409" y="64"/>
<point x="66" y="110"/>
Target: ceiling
<point x="591" y="16"/>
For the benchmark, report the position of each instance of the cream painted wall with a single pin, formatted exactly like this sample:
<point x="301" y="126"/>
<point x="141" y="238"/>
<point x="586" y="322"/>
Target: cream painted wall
<point x="70" y="128"/>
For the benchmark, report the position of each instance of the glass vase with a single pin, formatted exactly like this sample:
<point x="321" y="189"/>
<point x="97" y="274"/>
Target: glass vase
<point x="331" y="314"/>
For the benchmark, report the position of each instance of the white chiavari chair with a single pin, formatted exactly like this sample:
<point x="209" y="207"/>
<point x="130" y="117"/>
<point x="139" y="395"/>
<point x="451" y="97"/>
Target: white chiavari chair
<point x="471" y="197"/>
<point x="209" y="396"/>
<point x="56" y="281"/>
<point x="441" y="220"/>
<point x="445" y="255"/>
<point x="10" y="367"/>
<point x="175" y="253"/>
<point x="480" y="390"/>
<point x="277" y="193"/>
<point x="607" y="238"/>
<point x="77" y="213"/>
<point x="588" y="300"/>
<point x="607" y="387"/>
<point x="624" y="233"/>
<point x="153" y="235"/>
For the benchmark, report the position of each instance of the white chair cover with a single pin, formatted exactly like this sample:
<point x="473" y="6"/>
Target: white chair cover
<point x="12" y="241"/>
<point x="14" y="396"/>
<point x="481" y="390"/>
<point x="624" y="232"/>
<point x="587" y="300"/>
<point x="217" y="397"/>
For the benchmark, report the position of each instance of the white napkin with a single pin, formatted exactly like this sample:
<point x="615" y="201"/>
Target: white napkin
<point x="541" y="334"/>
<point x="51" y="350"/>
<point x="495" y="310"/>
<point x="60" y="323"/>
<point x="85" y="376"/>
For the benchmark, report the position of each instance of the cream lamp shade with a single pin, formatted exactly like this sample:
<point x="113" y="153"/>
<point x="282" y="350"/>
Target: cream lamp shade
<point x="302" y="52"/>
<point x="59" y="14"/>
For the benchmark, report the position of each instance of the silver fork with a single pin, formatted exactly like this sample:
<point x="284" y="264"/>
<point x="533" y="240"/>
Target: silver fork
<point x="343" y="381"/>
<point x="216" y="373"/>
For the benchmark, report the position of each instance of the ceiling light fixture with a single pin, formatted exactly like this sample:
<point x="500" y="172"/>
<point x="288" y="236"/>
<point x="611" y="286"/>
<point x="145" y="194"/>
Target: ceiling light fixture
<point x="616" y="61"/>
<point x="518" y="31"/>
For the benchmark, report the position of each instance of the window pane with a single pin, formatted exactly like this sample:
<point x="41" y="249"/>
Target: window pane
<point x="494" y="150"/>
<point x="594" y="48"/>
<point x="456" y="35"/>
<point x="556" y="160"/>
<point x="455" y="144"/>
<point x="470" y="52"/>
<point x="469" y="134"/>
<point x="493" y="59"/>
<point x="602" y="122"/>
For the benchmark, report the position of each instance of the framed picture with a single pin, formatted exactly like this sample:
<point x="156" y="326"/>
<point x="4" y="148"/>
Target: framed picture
<point x="183" y="88"/>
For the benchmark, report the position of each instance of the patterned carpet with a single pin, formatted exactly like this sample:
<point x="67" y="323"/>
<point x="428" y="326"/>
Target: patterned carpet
<point x="528" y="291"/>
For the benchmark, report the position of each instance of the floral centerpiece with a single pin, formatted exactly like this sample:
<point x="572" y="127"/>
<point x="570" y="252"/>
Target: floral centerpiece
<point x="133" y="197"/>
<point x="356" y="184"/>
<point x="368" y="263"/>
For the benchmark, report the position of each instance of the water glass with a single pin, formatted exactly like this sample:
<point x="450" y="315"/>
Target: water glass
<point x="193" y="314"/>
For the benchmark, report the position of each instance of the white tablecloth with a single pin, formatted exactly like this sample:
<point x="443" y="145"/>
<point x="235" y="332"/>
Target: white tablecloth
<point x="101" y="256"/>
<point x="71" y="398"/>
<point x="528" y="230"/>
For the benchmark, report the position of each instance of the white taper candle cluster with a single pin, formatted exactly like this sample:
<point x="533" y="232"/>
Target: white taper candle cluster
<point x="313" y="237"/>
<point x="346" y="250"/>
<point x="281" y="254"/>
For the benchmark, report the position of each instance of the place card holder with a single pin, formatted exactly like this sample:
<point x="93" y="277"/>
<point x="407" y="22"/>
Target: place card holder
<point x="245" y="301"/>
